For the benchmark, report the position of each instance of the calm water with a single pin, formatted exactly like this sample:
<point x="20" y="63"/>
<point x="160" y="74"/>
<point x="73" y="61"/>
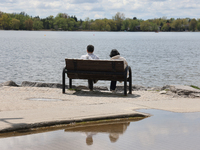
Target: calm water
<point x="156" y="59"/>
<point x="162" y="131"/>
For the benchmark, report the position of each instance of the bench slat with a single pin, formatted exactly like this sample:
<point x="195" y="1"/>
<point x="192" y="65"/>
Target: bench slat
<point x="97" y="77"/>
<point x="91" y="65"/>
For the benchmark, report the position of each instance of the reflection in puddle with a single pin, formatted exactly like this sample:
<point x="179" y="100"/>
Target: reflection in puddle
<point x="163" y="130"/>
<point x="114" y="130"/>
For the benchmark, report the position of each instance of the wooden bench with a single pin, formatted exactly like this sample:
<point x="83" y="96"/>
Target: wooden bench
<point x="97" y="70"/>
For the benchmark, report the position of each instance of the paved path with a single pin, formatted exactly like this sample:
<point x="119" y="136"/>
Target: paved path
<point x="26" y="107"/>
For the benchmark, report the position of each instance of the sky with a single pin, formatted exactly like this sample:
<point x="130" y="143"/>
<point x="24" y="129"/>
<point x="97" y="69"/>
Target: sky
<point x="98" y="9"/>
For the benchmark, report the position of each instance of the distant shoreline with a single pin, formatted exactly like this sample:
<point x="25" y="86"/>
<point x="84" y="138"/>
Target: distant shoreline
<point x="95" y="31"/>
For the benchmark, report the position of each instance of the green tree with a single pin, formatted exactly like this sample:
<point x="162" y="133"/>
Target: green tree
<point x="125" y="25"/>
<point x="15" y="23"/>
<point x="37" y="24"/>
<point x="118" y="18"/>
<point x="64" y="22"/>
<point x="28" y="24"/>
<point x="154" y="27"/>
<point x="166" y="27"/>
<point x="156" y="21"/>
<point x="5" y="21"/>
<point x="60" y="23"/>
<point x="133" y="24"/>
<point x="112" y="25"/>
<point x="71" y="24"/>
<point x="198" y="26"/>
<point x="48" y="22"/>
<point x="107" y="28"/>
<point x="86" y="24"/>
<point x="176" y="24"/>
<point x="193" y="24"/>
<point x="1" y="13"/>
<point x="99" y="24"/>
<point x="145" y="26"/>
<point x="106" y="25"/>
<point x="22" y="17"/>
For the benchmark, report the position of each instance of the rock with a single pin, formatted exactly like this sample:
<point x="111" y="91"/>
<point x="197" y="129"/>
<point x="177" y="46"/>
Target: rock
<point x="185" y="91"/>
<point x="195" y="94"/>
<point x="163" y="92"/>
<point x="38" y="84"/>
<point x="155" y="89"/>
<point x="9" y="83"/>
<point x="165" y="87"/>
<point x="138" y="88"/>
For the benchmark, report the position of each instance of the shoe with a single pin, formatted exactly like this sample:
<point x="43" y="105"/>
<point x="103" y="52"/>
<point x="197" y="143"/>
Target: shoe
<point x="114" y="91"/>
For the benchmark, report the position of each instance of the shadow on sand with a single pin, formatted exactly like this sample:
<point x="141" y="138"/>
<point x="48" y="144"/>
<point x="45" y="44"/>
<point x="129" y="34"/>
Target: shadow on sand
<point x="99" y="93"/>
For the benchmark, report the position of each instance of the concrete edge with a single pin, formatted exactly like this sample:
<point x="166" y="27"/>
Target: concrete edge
<point x="61" y="122"/>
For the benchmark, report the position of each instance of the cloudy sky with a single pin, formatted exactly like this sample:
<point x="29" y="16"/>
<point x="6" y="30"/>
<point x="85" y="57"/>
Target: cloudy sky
<point x="95" y="9"/>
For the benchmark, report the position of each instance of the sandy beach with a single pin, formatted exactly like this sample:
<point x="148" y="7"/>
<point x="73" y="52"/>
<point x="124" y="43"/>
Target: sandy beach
<point x="26" y="107"/>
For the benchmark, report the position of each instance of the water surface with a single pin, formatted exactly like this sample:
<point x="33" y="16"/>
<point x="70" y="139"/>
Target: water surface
<point x="156" y="59"/>
<point x="164" y="130"/>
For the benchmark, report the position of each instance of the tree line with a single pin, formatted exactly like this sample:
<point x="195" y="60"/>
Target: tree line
<point x="62" y="21"/>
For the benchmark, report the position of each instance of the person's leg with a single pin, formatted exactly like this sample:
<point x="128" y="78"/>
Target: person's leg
<point x="90" y="84"/>
<point x="113" y="85"/>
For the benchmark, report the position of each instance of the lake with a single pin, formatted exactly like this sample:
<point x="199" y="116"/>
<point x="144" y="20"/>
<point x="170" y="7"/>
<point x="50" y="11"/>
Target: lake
<point x="156" y="59"/>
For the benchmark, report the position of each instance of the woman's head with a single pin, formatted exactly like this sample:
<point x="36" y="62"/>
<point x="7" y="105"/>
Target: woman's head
<point x="114" y="52"/>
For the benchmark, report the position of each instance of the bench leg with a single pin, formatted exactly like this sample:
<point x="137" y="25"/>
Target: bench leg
<point x="130" y="81"/>
<point x="125" y="86"/>
<point x="70" y="83"/>
<point x="130" y="86"/>
<point x="63" y="82"/>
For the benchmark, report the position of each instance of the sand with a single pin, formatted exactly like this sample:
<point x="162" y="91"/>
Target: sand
<point x="25" y="107"/>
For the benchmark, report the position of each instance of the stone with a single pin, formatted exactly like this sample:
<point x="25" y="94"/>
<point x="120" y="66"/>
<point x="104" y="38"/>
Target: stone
<point x="165" y="87"/>
<point x="38" y="84"/>
<point x="195" y="94"/>
<point x="155" y="89"/>
<point x="9" y="83"/>
<point x="185" y="91"/>
<point x="138" y="88"/>
<point x="163" y="92"/>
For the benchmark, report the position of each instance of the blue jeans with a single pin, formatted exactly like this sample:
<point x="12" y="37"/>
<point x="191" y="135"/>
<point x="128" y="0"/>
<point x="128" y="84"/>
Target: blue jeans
<point x="113" y="85"/>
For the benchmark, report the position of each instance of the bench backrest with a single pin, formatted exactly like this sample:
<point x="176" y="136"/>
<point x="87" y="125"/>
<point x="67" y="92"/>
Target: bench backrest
<point x="94" y="65"/>
<point x="95" y="69"/>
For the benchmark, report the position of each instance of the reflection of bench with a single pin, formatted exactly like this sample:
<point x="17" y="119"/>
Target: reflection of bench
<point x="97" y="70"/>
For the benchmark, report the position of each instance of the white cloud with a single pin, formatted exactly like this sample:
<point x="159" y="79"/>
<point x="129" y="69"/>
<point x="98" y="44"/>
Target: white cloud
<point x="96" y="16"/>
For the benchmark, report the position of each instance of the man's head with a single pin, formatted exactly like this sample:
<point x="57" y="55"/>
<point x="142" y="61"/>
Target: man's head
<point x="90" y="48"/>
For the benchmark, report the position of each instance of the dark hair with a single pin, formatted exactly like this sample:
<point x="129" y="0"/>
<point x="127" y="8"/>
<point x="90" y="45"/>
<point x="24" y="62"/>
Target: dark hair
<point x="114" y="52"/>
<point x="90" y="48"/>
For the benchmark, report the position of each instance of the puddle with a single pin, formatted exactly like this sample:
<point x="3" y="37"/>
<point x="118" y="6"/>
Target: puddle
<point x="163" y="130"/>
<point x="44" y="99"/>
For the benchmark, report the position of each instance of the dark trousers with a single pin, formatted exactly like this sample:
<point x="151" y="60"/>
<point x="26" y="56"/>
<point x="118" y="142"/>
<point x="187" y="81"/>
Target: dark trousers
<point x="113" y="85"/>
<point x="90" y="84"/>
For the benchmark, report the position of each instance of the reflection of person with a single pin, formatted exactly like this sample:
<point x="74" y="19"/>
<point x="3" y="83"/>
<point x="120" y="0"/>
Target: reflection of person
<point x="114" y="129"/>
<point x="89" y="139"/>
<point x="90" y="55"/>
<point x="113" y="137"/>
<point x="115" y="55"/>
